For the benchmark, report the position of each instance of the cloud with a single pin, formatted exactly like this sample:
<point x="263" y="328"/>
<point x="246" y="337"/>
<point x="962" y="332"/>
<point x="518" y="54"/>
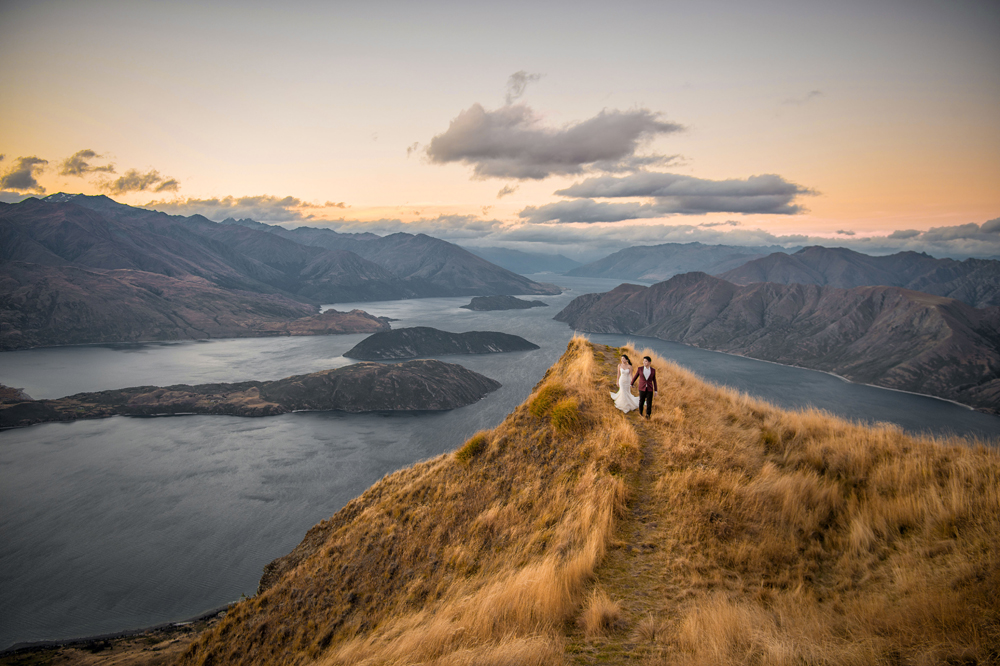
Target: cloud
<point x="799" y="101"/>
<point x="77" y="164"/>
<point x="727" y="223"/>
<point x="671" y="194"/>
<point x="412" y="148"/>
<point x="991" y="226"/>
<point x="8" y="196"/>
<point x="962" y="231"/>
<point x="517" y="83"/>
<point x="22" y="177"/>
<point x="505" y="190"/>
<point x="511" y="142"/>
<point x="903" y="234"/>
<point x="135" y="181"/>
<point x="263" y="208"/>
<point x="338" y="204"/>
<point x="447" y="227"/>
<point x="846" y="232"/>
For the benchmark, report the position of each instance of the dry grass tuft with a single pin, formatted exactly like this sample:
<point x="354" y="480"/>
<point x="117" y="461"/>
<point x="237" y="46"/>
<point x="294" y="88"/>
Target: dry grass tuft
<point x="473" y="447"/>
<point x="601" y="615"/>
<point x="545" y="399"/>
<point x="565" y="415"/>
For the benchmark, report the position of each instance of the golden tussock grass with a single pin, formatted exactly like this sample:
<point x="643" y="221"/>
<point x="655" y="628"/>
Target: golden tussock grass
<point x="722" y="531"/>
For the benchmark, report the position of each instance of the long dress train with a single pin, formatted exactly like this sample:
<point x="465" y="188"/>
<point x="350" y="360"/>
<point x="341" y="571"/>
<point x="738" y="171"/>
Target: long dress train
<point x="624" y="400"/>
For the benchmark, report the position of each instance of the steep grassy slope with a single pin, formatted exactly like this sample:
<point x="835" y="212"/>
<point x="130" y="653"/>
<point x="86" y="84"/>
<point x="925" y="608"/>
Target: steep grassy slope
<point x="723" y="531"/>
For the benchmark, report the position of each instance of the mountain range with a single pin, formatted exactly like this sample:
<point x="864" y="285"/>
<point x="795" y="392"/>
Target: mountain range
<point x="973" y="281"/>
<point x="82" y="268"/>
<point x="886" y="336"/>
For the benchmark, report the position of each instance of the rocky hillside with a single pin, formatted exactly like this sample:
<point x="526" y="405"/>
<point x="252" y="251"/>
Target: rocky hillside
<point x="659" y="262"/>
<point x="885" y="336"/>
<point x="64" y="305"/>
<point x="491" y="303"/>
<point x="723" y="531"/>
<point x="426" y="341"/>
<point x="364" y="387"/>
<point x="973" y="281"/>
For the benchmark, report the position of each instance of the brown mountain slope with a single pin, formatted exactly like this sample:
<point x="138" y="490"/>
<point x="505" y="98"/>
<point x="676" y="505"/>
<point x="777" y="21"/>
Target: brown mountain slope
<point x="51" y="305"/>
<point x="723" y="531"/>
<point x="885" y="336"/>
<point x="973" y="281"/>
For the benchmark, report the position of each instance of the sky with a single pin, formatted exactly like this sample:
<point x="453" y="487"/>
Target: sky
<point x="577" y="128"/>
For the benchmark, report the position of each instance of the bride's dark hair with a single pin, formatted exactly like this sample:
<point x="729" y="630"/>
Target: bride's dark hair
<point x="627" y="359"/>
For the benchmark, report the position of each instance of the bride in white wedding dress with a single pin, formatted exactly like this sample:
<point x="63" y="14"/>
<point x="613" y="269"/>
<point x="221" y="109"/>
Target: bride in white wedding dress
<point x="624" y="400"/>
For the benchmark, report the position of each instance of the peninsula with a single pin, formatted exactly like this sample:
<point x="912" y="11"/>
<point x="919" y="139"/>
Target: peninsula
<point x="425" y="385"/>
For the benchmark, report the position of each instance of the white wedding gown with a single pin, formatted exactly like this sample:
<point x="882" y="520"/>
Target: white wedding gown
<point x="624" y="400"/>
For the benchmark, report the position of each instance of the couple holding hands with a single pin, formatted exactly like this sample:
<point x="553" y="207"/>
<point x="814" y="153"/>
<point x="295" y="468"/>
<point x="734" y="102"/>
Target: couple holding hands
<point x="646" y="376"/>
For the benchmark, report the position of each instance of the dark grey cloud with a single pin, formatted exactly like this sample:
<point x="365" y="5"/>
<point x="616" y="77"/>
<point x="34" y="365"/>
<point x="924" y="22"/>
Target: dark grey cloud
<point x="846" y="232"/>
<point x="961" y="231"/>
<point x="903" y="234"/>
<point x="23" y="176"/>
<point x="263" y="208"/>
<point x="134" y="180"/>
<point x="671" y="194"/>
<point x="517" y="83"/>
<point x="991" y="226"/>
<point x="78" y="164"/>
<point x="511" y="142"/>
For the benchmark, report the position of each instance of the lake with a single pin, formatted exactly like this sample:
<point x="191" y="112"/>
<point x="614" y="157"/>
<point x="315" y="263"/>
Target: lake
<point x="124" y="523"/>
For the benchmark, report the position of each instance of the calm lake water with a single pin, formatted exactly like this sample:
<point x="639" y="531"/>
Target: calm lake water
<point x="124" y="522"/>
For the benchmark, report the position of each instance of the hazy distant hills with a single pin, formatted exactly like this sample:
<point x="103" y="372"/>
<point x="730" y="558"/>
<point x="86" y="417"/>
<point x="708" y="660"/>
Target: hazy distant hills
<point x="660" y="262"/>
<point x="525" y="262"/>
<point x="973" y="281"/>
<point x="881" y="335"/>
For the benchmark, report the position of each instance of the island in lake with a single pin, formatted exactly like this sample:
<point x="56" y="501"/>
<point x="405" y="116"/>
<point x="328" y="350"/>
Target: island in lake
<point x="426" y="341"/>
<point x="490" y="303"/>
<point x="425" y="385"/>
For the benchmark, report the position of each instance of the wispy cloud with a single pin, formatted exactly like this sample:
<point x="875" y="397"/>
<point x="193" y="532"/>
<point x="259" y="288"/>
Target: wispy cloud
<point x="262" y="208"/>
<point x="505" y="190"/>
<point x="78" y="164"/>
<point x="799" y="101"/>
<point x="512" y="142"/>
<point x="23" y="176"/>
<point x="846" y="232"/>
<point x="517" y="83"/>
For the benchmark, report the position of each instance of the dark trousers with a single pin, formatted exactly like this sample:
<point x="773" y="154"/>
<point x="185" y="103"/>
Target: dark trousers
<point x="646" y="398"/>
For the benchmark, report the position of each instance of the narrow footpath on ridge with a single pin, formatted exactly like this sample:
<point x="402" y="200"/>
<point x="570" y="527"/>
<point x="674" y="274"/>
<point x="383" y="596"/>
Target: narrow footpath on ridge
<point x="636" y="572"/>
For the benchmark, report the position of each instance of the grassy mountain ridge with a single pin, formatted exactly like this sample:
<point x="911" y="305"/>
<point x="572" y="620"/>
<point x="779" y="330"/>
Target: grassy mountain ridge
<point x="722" y="531"/>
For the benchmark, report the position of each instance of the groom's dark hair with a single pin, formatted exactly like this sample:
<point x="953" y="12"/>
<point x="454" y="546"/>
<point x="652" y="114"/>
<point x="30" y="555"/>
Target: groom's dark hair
<point x="646" y="358"/>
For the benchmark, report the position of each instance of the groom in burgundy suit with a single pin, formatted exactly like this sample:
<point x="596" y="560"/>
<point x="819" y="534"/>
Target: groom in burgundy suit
<point x="647" y="385"/>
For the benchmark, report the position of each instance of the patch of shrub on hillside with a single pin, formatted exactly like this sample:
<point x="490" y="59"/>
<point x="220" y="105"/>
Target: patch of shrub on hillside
<point x="472" y="448"/>
<point x="546" y="397"/>
<point x="565" y="415"/>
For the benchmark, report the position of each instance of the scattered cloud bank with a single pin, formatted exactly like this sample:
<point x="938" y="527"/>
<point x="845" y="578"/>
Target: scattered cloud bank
<point x="262" y="208"/>
<point x="512" y="142"/>
<point x="23" y="175"/>
<point x="135" y="181"/>
<point x="668" y="194"/>
<point x="78" y="164"/>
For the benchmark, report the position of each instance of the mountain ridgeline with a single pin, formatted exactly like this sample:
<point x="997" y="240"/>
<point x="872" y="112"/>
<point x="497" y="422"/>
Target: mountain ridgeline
<point x="722" y="531"/>
<point x="886" y="336"/>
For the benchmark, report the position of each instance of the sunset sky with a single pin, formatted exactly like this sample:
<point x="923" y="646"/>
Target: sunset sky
<point x="565" y="127"/>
